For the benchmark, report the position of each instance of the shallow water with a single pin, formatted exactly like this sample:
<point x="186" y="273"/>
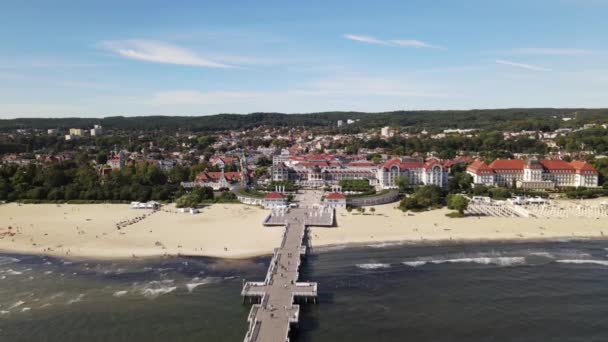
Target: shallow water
<point x="485" y="292"/>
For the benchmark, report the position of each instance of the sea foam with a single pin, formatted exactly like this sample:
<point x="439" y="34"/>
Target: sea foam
<point x="500" y="261"/>
<point x="17" y="304"/>
<point x="8" y="260"/>
<point x="156" y="288"/>
<point x="76" y="300"/>
<point x="373" y="266"/>
<point x="584" y="261"/>
<point x="196" y="282"/>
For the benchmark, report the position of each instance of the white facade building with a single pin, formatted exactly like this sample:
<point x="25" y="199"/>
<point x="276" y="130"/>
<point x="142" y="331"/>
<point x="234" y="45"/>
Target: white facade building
<point x="417" y="172"/>
<point x="534" y="174"/>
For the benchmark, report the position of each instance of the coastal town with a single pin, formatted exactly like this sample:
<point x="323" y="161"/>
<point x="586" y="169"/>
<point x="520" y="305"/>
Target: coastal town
<point x="182" y="193"/>
<point x="303" y="171"/>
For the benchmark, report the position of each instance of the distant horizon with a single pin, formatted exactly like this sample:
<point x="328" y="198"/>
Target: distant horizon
<point x="302" y="113"/>
<point x="94" y="58"/>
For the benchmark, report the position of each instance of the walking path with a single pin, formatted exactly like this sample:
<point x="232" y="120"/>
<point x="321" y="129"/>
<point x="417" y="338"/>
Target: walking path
<point x="270" y="320"/>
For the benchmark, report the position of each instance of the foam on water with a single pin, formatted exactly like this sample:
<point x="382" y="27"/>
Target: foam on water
<point x="10" y="271"/>
<point x="26" y="309"/>
<point x="385" y="244"/>
<point x="373" y="266"/>
<point x="17" y="304"/>
<point x="500" y="261"/>
<point x="584" y="261"/>
<point x="120" y="293"/>
<point x="8" y="260"/>
<point x="414" y="263"/>
<point x="543" y="254"/>
<point x="331" y="248"/>
<point x="156" y="288"/>
<point x="76" y="300"/>
<point x="196" y="282"/>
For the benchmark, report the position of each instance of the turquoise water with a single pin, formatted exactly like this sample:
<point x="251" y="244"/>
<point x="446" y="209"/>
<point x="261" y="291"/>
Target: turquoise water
<point x="483" y="292"/>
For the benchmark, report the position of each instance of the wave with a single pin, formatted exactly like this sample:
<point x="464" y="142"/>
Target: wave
<point x="17" y="304"/>
<point x="196" y="282"/>
<point x="26" y="309"/>
<point x="584" y="261"/>
<point x="331" y="248"/>
<point x="120" y="293"/>
<point x="8" y="260"/>
<point x="156" y="288"/>
<point x="543" y="254"/>
<point x="373" y="266"/>
<point x="386" y="244"/>
<point x="414" y="263"/>
<point x="76" y="300"/>
<point x="10" y="271"/>
<point x="500" y="261"/>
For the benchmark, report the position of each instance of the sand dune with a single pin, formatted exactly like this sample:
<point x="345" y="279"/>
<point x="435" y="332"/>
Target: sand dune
<point x="235" y="230"/>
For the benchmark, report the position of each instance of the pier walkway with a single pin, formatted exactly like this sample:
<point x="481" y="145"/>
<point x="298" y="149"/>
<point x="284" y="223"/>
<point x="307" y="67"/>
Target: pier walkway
<point x="275" y="311"/>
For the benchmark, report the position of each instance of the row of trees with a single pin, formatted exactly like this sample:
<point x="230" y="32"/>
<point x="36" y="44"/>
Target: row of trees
<point x="80" y="180"/>
<point x="544" y="119"/>
<point x="491" y="142"/>
<point x="359" y="185"/>
<point x="203" y="195"/>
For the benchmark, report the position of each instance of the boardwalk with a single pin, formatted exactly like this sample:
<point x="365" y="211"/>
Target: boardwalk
<point x="270" y="320"/>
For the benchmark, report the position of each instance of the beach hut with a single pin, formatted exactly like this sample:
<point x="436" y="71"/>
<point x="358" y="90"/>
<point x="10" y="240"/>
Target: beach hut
<point x="335" y="200"/>
<point x="145" y="205"/>
<point x="274" y="200"/>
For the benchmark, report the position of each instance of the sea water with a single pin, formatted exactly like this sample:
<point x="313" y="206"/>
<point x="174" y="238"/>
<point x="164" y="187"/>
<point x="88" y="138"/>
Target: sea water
<point x="553" y="291"/>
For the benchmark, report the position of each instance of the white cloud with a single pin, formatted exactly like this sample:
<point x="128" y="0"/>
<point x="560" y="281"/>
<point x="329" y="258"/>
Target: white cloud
<point x="521" y="65"/>
<point x="412" y="43"/>
<point x="159" y="52"/>
<point x="365" y="39"/>
<point x="551" y="51"/>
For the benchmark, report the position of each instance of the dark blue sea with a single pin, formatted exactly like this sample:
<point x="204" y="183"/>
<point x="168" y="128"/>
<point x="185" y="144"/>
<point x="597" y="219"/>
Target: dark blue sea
<point x="552" y="291"/>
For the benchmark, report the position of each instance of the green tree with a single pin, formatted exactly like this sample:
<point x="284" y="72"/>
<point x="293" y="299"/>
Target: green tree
<point x="261" y="171"/>
<point x="458" y="203"/>
<point x="187" y="201"/>
<point x="101" y="158"/>
<point x="403" y="182"/>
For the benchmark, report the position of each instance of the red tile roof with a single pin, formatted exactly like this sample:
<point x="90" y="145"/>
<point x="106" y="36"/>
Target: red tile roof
<point x="335" y="196"/>
<point x="534" y="164"/>
<point x="431" y="163"/>
<point x="557" y="165"/>
<point x="583" y="167"/>
<point x="273" y="195"/>
<point x="361" y="163"/>
<point x="507" y="164"/>
<point x="403" y="165"/>
<point x="458" y="160"/>
<point x="215" y="176"/>
<point x="479" y="167"/>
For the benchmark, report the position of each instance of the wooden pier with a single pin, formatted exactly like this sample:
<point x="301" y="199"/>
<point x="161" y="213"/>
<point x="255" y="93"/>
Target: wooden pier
<point x="275" y="311"/>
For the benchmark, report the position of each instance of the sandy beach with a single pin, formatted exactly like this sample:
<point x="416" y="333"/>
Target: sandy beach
<point x="235" y="230"/>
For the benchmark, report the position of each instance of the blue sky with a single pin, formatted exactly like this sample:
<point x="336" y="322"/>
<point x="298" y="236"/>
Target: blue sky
<point x="102" y="58"/>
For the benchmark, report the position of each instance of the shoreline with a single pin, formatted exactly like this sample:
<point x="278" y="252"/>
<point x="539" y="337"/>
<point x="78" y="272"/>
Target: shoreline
<point x="235" y="232"/>
<point x="320" y="249"/>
